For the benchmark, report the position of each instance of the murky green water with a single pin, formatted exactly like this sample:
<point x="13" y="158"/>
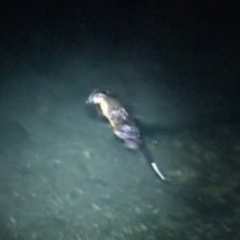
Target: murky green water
<point x="64" y="175"/>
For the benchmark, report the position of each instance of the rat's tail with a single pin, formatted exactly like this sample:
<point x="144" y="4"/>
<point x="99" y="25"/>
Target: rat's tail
<point x="149" y="158"/>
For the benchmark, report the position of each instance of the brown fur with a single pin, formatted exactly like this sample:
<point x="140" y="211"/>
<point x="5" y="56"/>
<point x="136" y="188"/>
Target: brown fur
<point x="108" y="106"/>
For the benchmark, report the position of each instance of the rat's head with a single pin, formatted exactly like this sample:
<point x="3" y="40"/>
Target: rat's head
<point x="96" y="97"/>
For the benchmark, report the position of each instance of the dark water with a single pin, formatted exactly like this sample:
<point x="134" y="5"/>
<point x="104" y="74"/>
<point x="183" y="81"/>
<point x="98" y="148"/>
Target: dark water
<point x="62" y="173"/>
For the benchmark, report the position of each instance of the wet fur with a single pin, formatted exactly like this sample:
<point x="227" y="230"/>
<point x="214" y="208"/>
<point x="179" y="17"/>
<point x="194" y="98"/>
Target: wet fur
<point x="117" y="117"/>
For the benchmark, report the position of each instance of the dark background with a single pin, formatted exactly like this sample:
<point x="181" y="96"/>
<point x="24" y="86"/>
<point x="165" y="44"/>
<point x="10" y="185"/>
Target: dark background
<point x="205" y="34"/>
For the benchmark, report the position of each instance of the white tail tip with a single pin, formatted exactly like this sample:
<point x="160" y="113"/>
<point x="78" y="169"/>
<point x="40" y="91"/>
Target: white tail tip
<point x="155" y="168"/>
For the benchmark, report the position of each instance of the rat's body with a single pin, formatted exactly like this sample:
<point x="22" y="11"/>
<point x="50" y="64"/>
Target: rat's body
<point x="120" y="122"/>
